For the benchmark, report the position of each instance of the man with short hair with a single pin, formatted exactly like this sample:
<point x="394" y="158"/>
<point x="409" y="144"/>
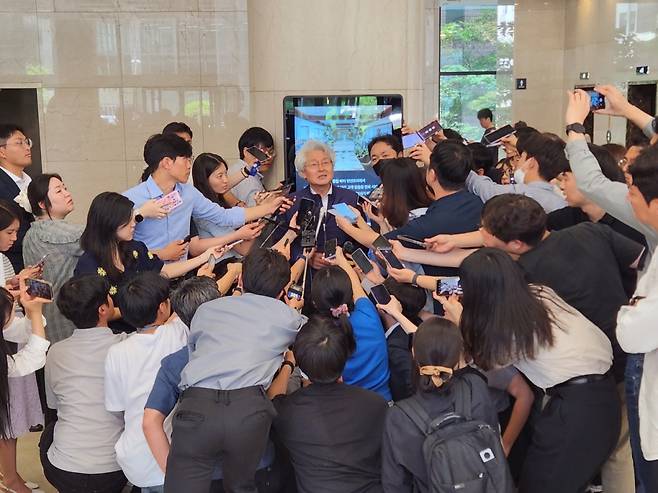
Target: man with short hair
<point x="75" y="386"/>
<point x="332" y="430"/>
<point x="179" y="128"/>
<point x="245" y="191"/>
<point x="169" y="160"/>
<point x="131" y="367"/>
<point x="541" y="160"/>
<point x="236" y="346"/>
<point x="15" y="156"/>
<point x="485" y="117"/>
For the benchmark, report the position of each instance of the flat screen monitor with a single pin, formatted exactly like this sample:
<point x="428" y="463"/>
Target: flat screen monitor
<point x="346" y="123"/>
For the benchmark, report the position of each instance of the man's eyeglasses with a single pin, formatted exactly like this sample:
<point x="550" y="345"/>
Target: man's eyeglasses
<point x="27" y="142"/>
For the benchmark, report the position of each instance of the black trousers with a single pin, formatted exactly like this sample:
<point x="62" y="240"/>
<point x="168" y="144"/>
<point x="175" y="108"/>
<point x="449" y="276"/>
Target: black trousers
<point x="572" y="438"/>
<point x="230" y="425"/>
<point x="73" y="482"/>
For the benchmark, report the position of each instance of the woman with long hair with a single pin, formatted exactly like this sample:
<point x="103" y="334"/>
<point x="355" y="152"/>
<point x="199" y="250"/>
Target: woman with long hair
<point x="20" y="407"/>
<point x="211" y="178"/>
<point x="441" y="376"/>
<point x="506" y="321"/>
<point x="405" y="194"/>
<point x="110" y="250"/>
<point x="336" y="291"/>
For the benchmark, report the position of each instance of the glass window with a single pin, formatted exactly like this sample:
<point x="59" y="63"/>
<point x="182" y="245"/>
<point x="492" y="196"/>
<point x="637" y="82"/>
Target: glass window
<point x="476" y="64"/>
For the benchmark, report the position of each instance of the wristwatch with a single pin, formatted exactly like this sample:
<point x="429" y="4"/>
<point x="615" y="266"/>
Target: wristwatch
<point x="414" y="280"/>
<point x="579" y="128"/>
<point x="288" y="363"/>
<point x="138" y="216"/>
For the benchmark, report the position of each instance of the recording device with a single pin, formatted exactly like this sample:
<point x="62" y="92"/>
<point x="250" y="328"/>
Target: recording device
<point x="39" y="288"/>
<point x="412" y="241"/>
<point x="596" y="100"/>
<point x="231" y="245"/>
<point x="330" y="248"/>
<point x="362" y="201"/>
<point x="307" y="221"/>
<point x="41" y="262"/>
<point x="361" y="261"/>
<point x="295" y="292"/>
<point x="382" y="243"/>
<point x="258" y="154"/>
<point x="493" y="139"/>
<point x="348" y="248"/>
<point x="447" y="286"/>
<point x="392" y="260"/>
<point x="343" y="210"/>
<point x="380" y="294"/>
<point x="282" y="189"/>
<point x="421" y="135"/>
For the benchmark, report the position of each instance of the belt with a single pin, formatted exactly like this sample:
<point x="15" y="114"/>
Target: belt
<point x="204" y="393"/>
<point x="581" y="380"/>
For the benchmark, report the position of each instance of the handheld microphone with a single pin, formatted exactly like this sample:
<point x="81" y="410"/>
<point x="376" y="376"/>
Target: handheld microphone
<point x="348" y="247"/>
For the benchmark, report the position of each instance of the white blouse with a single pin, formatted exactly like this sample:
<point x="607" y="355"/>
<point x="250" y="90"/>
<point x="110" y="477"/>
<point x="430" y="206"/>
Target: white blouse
<point x="33" y="355"/>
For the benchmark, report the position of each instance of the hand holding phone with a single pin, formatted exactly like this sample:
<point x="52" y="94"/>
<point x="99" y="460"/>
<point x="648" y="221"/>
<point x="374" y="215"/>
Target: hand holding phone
<point x="361" y="261"/>
<point x="413" y="241"/>
<point x="380" y="294"/>
<point x="330" y="248"/>
<point x="447" y="286"/>
<point x="344" y="210"/>
<point x="597" y="100"/>
<point x="392" y="260"/>
<point x="39" y="288"/>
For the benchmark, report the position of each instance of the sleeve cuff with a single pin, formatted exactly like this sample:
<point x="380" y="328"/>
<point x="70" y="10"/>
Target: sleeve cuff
<point x="648" y="129"/>
<point x="38" y="342"/>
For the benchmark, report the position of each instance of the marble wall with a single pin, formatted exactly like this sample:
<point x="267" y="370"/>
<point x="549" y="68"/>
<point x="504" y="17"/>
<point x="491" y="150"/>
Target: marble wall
<point x="111" y="72"/>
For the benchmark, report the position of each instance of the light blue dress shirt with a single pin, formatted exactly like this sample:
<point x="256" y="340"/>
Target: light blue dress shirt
<point x="158" y="233"/>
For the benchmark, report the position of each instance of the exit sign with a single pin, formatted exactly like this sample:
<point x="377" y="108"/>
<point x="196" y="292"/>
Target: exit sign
<point x="642" y="70"/>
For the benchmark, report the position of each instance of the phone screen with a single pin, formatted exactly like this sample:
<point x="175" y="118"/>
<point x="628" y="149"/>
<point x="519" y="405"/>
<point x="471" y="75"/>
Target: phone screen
<point x="380" y="293"/>
<point x="411" y="140"/>
<point x="392" y="259"/>
<point x="449" y="286"/>
<point x="344" y="210"/>
<point x="429" y="130"/>
<point x="258" y="154"/>
<point x="330" y="248"/>
<point x="493" y="137"/>
<point x="597" y="100"/>
<point x="361" y="260"/>
<point x="381" y="243"/>
<point x="294" y="292"/>
<point x="39" y="288"/>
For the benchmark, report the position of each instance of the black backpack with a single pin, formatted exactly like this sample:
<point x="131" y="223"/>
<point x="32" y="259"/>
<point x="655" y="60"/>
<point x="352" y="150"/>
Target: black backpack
<point x="461" y="454"/>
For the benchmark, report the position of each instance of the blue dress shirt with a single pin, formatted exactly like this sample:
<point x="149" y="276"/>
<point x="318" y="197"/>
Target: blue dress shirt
<point x="158" y="233"/>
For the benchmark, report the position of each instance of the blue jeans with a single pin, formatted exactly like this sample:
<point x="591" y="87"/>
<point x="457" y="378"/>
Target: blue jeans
<point x="633" y="378"/>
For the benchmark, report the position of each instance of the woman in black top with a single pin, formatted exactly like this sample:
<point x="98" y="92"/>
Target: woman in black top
<point x="439" y="369"/>
<point x="111" y="252"/>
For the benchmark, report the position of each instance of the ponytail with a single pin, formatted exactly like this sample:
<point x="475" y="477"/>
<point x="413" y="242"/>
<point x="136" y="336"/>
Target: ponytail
<point x="343" y="323"/>
<point x="146" y="173"/>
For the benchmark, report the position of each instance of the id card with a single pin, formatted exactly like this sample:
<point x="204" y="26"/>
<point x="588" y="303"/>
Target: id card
<point x="170" y="201"/>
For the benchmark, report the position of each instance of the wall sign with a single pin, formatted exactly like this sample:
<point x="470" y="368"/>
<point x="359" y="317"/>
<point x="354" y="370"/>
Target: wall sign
<point x="642" y="70"/>
<point x="584" y="76"/>
<point x="521" y="84"/>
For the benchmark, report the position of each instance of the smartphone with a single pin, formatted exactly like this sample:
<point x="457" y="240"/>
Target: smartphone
<point x="306" y="210"/>
<point x="413" y="241"/>
<point x="343" y="210"/>
<point x="170" y="201"/>
<point x="382" y="243"/>
<point x="362" y="200"/>
<point x="361" y="261"/>
<point x="411" y="140"/>
<point x="391" y="259"/>
<point x="429" y="130"/>
<point x="258" y="154"/>
<point x="294" y="292"/>
<point x="597" y="100"/>
<point x="380" y="294"/>
<point x="330" y="248"/>
<point x="283" y="189"/>
<point x="212" y="260"/>
<point x="39" y="288"/>
<point x="493" y="138"/>
<point x="42" y="262"/>
<point x="447" y="286"/>
<point x="231" y="245"/>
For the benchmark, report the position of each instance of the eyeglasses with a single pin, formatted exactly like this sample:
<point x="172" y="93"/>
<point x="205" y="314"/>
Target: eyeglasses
<point x="27" y="142"/>
<point x="326" y="163"/>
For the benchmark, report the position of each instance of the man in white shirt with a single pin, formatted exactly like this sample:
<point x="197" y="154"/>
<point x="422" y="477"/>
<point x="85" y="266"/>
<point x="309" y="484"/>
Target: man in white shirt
<point x="245" y="191"/>
<point x="15" y="156"/>
<point x="131" y="367"/>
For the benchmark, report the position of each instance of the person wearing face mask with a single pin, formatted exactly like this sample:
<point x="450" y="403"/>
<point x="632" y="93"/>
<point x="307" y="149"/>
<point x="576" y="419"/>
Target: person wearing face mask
<point x="541" y="159"/>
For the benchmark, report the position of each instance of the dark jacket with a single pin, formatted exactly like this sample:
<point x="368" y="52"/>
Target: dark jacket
<point x="8" y="192"/>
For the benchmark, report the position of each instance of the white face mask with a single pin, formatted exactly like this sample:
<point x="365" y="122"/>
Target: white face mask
<point x="519" y="176"/>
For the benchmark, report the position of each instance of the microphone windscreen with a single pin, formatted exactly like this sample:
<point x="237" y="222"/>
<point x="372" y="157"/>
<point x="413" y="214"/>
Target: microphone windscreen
<point x="348" y="247"/>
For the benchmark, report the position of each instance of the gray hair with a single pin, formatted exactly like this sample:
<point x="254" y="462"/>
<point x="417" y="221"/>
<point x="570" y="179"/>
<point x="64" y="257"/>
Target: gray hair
<point x="191" y="294"/>
<point x="309" y="146"/>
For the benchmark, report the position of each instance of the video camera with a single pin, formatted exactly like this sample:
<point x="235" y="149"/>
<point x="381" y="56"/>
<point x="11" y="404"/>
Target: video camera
<point x="307" y="219"/>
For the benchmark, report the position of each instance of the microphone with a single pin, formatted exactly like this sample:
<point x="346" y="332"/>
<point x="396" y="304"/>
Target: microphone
<point x="323" y="213"/>
<point x="348" y="247"/>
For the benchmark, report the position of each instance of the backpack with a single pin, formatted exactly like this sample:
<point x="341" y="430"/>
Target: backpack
<point x="461" y="454"/>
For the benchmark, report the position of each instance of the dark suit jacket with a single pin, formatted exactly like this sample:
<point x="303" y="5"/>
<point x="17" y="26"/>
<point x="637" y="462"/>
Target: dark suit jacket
<point x="8" y="191"/>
